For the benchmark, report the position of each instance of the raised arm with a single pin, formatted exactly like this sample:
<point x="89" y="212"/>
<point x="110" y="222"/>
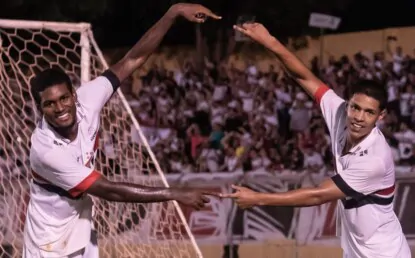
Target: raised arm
<point x="138" y="55"/>
<point x="308" y="81"/>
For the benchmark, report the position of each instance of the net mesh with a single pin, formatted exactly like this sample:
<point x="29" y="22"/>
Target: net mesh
<point x="124" y="230"/>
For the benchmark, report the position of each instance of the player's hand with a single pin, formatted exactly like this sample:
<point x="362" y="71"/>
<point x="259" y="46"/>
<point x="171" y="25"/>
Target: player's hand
<point x="193" y="12"/>
<point x="255" y="31"/>
<point x="194" y="198"/>
<point x="244" y="197"/>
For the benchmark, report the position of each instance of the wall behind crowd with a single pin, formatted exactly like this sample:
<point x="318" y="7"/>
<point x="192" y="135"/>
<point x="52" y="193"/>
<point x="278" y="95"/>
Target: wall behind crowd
<point x="335" y="45"/>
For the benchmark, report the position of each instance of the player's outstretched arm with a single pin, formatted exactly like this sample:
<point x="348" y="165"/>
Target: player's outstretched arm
<point x="128" y="192"/>
<point x="308" y="81"/>
<point x="303" y="197"/>
<point x="152" y="38"/>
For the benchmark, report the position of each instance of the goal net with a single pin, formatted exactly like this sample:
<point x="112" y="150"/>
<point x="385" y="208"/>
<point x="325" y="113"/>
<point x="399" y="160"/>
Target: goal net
<point x="124" y="230"/>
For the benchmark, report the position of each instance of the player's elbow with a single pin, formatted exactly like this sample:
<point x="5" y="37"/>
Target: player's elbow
<point x="314" y="201"/>
<point x="113" y="197"/>
<point x="316" y="198"/>
<point x="126" y="66"/>
<point x="327" y="191"/>
<point x="104" y="189"/>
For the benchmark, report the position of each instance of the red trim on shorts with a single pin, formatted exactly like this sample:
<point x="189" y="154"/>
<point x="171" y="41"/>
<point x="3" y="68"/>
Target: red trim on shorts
<point x="85" y="184"/>
<point x="318" y="95"/>
<point x="386" y="191"/>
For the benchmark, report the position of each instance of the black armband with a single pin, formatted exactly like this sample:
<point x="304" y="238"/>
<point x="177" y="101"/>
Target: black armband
<point x="110" y="75"/>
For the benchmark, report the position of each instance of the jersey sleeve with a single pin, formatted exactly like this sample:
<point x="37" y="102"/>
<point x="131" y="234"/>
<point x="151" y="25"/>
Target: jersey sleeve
<point x="61" y="169"/>
<point x="361" y="178"/>
<point x="330" y="104"/>
<point x="94" y="94"/>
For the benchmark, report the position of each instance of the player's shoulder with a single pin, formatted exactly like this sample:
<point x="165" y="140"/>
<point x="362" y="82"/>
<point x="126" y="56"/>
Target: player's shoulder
<point x="327" y="94"/>
<point x="44" y="146"/>
<point x="93" y="95"/>
<point x="380" y="147"/>
<point x="90" y="88"/>
<point x="377" y="155"/>
<point x="105" y="80"/>
<point x="42" y="139"/>
<point x="99" y="80"/>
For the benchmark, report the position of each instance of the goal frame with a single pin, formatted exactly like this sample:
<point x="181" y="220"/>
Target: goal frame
<point x="87" y="40"/>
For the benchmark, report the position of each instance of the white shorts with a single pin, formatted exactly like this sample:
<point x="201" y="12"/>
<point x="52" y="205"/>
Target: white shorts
<point x="90" y="251"/>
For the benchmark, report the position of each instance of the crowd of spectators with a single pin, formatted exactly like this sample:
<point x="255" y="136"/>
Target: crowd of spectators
<point x="225" y="119"/>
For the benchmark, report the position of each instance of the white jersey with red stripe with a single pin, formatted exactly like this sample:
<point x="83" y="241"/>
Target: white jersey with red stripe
<point x="366" y="175"/>
<point x="59" y="214"/>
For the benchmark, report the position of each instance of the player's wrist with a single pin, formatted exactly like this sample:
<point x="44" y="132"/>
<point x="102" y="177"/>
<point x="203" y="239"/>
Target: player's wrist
<point x="173" y="12"/>
<point x="260" y="199"/>
<point x="175" y="193"/>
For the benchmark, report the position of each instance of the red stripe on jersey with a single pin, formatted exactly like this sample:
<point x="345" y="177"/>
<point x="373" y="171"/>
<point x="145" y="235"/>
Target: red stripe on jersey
<point x="386" y="191"/>
<point x="85" y="184"/>
<point x="318" y="95"/>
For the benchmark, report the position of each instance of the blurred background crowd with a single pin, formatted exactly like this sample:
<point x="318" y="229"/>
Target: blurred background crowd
<point x="209" y="114"/>
<point x="222" y="118"/>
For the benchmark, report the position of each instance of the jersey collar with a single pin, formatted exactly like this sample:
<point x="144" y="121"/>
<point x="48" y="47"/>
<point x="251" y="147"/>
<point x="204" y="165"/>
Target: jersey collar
<point x="366" y="142"/>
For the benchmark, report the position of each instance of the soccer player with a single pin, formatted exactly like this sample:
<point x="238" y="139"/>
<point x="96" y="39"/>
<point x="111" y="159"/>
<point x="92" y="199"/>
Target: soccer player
<point x="364" y="182"/>
<point x="63" y="145"/>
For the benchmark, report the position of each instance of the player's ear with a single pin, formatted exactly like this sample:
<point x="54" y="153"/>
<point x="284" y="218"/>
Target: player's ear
<point x="75" y="97"/>
<point x="382" y="114"/>
<point x="39" y="109"/>
<point x="347" y="104"/>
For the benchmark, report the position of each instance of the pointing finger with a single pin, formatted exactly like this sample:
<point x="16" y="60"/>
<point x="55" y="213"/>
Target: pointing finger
<point x="202" y="14"/>
<point x="230" y="195"/>
<point x="206" y="12"/>
<point x="211" y="193"/>
<point x="242" y="30"/>
<point x="239" y="28"/>
<point x="214" y="16"/>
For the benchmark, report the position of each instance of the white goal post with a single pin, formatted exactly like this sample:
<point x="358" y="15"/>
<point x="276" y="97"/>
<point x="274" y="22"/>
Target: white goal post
<point x="125" y="230"/>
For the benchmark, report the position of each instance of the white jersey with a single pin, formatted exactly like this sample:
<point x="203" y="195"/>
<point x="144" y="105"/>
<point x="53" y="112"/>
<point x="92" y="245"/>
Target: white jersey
<point x="59" y="214"/>
<point x="366" y="175"/>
